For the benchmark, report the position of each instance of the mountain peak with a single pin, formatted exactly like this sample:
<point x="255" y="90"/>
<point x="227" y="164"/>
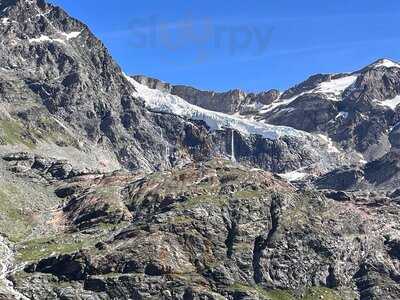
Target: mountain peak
<point x="384" y="62"/>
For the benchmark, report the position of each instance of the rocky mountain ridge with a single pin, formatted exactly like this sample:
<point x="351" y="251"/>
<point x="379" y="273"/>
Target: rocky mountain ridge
<point x="229" y="102"/>
<point x="355" y="109"/>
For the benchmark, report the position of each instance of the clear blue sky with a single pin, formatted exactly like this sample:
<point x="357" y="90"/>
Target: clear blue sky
<point x="251" y="45"/>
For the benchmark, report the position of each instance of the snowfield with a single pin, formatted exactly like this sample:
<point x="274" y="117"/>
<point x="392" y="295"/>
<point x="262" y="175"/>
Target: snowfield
<point x="321" y="146"/>
<point x="164" y="102"/>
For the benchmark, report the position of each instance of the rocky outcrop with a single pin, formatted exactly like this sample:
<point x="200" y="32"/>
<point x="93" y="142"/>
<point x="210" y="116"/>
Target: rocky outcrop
<point x="378" y="82"/>
<point x="354" y="110"/>
<point x="220" y="231"/>
<point x="311" y="113"/>
<point x="60" y="89"/>
<point x="382" y="173"/>
<point x="309" y="84"/>
<point x="394" y="137"/>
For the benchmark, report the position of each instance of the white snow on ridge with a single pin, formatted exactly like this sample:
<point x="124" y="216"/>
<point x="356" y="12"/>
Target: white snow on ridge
<point x="331" y="146"/>
<point x="71" y="35"/>
<point x="279" y="102"/>
<point x="335" y="87"/>
<point x="163" y="102"/>
<point x="391" y="103"/>
<point x="386" y="63"/>
<point x="332" y="88"/>
<point x="65" y="37"/>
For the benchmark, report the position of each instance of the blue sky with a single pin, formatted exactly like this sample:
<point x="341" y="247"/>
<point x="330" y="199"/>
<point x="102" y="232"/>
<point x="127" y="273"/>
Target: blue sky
<point x="251" y="45"/>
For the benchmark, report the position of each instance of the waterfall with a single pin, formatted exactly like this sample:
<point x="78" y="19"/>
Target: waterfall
<point x="233" y="158"/>
<point x="166" y="153"/>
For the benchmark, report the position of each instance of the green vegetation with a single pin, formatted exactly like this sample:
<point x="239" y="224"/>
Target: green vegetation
<point x="314" y="293"/>
<point x="317" y="293"/>
<point x="46" y="128"/>
<point x="51" y="131"/>
<point x="181" y="220"/>
<point x="263" y="293"/>
<point x="13" y="221"/>
<point x="108" y="192"/>
<point x="219" y="200"/>
<point x="248" y="194"/>
<point x="13" y="133"/>
<point x="34" y="250"/>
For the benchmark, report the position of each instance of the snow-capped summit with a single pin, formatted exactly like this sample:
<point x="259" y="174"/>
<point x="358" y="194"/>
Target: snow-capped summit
<point x="384" y="62"/>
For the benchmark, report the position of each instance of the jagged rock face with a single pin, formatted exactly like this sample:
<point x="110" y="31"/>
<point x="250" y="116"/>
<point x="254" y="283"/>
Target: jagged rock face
<point x="310" y="113"/>
<point x="56" y="76"/>
<point x="367" y="133"/>
<point x="229" y="102"/>
<point x="346" y="107"/>
<point x="278" y="156"/>
<point x="355" y="117"/>
<point x="378" y="83"/>
<point x="64" y="96"/>
<point x="382" y="175"/>
<point x="351" y="109"/>
<point x="210" y="231"/>
<point x="311" y="83"/>
<point x="394" y="137"/>
<point x="340" y="179"/>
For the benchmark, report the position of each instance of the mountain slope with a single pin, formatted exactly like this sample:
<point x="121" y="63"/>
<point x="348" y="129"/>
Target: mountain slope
<point x="207" y="231"/>
<point x="114" y="187"/>
<point x="65" y="97"/>
<point x="63" y="94"/>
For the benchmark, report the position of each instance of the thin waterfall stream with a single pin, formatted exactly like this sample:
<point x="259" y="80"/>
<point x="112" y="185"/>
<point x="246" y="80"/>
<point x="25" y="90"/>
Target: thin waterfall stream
<point x="233" y="158"/>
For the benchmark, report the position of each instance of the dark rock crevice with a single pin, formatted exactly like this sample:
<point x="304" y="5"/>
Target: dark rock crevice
<point x="263" y="242"/>
<point x="233" y="230"/>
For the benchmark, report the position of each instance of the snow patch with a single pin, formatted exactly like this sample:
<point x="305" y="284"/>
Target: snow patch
<point x="386" y="63"/>
<point x="280" y="102"/>
<point x="335" y="88"/>
<point x="391" y="103"/>
<point x="71" y="35"/>
<point x="5" y="21"/>
<point x="342" y="115"/>
<point x="293" y="176"/>
<point x="45" y="38"/>
<point x="65" y="37"/>
<point x="330" y="144"/>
